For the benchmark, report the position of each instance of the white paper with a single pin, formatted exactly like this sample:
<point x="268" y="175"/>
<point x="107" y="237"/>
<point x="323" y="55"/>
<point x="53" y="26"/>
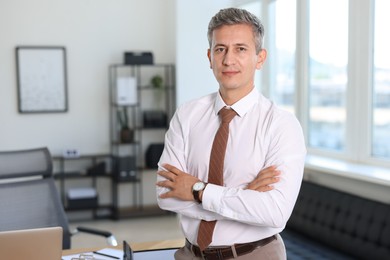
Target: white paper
<point x="82" y="193"/>
<point x="126" y="91"/>
<point x="107" y="251"/>
<point x="164" y="254"/>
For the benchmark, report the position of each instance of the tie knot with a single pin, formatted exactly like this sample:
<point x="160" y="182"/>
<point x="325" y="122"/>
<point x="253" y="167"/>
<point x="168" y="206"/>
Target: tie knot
<point x="227" y="115"/>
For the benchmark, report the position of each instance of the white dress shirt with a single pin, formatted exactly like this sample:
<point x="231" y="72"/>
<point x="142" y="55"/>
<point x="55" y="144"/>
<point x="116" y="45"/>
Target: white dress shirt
<point x="260" y="136"/>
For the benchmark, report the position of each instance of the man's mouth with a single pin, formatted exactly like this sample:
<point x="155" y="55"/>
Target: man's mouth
<point x="229" y="73"/>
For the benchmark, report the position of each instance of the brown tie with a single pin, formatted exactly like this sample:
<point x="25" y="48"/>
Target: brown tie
<point x="217" y="157"/>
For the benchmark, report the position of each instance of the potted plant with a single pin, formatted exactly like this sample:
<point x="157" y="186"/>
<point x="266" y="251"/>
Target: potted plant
<point x="126" y="134"/>
<point x="157" y="83"/>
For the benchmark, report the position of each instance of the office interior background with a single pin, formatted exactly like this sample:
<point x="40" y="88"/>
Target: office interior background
<point x="327" y="63"/>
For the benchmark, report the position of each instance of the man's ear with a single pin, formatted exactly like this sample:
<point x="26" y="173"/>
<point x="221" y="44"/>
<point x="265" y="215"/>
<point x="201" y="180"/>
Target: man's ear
<point x="209" y="57"/>
<point x="261" y="57"/>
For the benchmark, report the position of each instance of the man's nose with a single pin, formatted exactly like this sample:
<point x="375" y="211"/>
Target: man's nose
<point x="229" y="58"/>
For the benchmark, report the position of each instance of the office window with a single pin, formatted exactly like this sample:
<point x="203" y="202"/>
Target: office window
<point x="381" y="82"/>
<point x="328" y="51"/>
<point x="282" y="14"/>
<point x="308" y="71"/>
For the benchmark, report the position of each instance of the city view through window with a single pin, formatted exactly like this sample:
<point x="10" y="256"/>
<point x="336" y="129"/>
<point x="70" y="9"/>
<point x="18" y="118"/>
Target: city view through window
<point x="328" y="49"/>
<point x="381" y="92"/>
<point x="328" y="71"/>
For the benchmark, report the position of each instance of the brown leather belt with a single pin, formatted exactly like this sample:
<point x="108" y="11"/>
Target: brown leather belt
<point x="220" y="253"/>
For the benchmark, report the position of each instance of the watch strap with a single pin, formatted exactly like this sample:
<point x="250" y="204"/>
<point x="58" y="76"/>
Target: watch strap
<point x="196" y="193"/>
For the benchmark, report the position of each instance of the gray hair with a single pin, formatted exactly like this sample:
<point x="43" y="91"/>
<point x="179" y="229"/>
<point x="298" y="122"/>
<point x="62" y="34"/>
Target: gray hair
<point x="232" y="16"/>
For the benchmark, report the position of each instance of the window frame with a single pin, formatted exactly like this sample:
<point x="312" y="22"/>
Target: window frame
<point x="360" y="83"/>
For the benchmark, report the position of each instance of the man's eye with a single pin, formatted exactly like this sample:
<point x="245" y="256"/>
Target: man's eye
<point x="241" y="49"/>
<point x="219" y="49"/>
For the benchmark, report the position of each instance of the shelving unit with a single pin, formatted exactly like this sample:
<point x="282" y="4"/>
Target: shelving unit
<point x="148" y="109"/>
<point x="83" y="167"/>
<point x="133" y="155"/>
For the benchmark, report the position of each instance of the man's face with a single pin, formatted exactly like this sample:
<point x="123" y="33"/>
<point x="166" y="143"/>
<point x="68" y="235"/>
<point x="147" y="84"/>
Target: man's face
<point x="233" y="57"/>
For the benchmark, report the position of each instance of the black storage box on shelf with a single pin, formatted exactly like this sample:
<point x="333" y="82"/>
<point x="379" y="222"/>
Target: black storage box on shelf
<point x="138" y="58"/>
<point x="82" y="198"/>
<point x="155" y="119"/>
<point x="124" y="168"/>
<point x="153" y="154"/>
<point x="97" y="170"/>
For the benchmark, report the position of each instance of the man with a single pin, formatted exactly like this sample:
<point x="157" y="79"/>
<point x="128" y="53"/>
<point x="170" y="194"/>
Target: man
<point x="262" y="164"/>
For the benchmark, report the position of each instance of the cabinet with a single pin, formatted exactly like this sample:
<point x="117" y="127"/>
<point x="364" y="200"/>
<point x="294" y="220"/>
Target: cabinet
<point x="142" y="102"/>
<point x="80" y="175"/>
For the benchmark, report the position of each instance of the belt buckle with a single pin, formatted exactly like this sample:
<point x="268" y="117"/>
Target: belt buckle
<point x="202" y="255"/>
<point x="218" y="253"/>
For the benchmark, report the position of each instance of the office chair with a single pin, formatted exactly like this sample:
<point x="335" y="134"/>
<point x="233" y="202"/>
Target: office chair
<point x="29" y="197"/>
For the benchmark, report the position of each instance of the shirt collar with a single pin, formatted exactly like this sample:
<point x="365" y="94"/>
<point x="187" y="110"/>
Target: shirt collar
<point x="242" y="106"/>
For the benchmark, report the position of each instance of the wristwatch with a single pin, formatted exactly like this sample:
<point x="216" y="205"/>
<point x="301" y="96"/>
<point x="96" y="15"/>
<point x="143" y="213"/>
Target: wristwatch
<point x="196" y="188"/>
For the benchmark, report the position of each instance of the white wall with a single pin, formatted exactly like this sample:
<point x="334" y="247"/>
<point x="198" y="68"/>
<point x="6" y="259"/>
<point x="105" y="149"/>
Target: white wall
<point x="96" y="34"/>
<point x="194" y="76"/>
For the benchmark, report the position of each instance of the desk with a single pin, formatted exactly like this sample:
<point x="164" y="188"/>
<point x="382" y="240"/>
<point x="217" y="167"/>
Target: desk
<point x="135" y="246"/>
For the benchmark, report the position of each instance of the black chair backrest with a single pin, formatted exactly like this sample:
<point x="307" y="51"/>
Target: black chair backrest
<point x="25" y="163"/>
<point x="30" y="202"/>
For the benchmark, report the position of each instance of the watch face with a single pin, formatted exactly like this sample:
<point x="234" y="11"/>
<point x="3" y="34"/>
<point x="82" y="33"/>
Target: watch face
<point x="198" y="186"/>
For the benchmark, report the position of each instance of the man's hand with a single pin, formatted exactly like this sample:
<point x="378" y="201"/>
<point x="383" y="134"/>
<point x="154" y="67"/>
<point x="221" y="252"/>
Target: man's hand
<point x="179" y="183"/>
<point x="264" y="180"/>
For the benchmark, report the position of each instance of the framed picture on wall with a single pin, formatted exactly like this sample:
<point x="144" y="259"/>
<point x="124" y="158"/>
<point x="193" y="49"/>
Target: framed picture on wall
<point x="41" y="78"/>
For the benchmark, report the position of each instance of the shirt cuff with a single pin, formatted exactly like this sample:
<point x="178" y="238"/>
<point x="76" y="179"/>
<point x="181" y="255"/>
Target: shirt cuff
<point x="211" y="198"/>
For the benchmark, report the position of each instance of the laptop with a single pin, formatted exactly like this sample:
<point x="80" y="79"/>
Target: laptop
<point x="31" y="244"/>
